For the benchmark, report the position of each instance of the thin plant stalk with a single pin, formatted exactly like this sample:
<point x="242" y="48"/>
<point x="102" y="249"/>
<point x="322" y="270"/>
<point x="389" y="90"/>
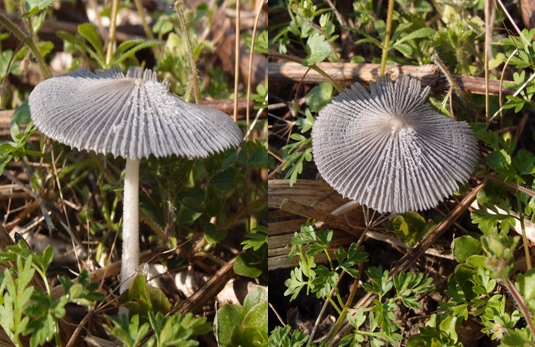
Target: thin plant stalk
<point x="193" y="66"/>
<point x="388" y="32"/>
<point x="146" y="28"/>
<point x="489" y="19"/>
<point x="237" y="63"/>
<point x="513" y="23"/>
<point x="521" y="304"/>
<point x="525" y="241"/>
<point x="251" y="56"/>
<point x="369" y="223"/>
<point x="27" y="40"/>
<point x="113" y="30"/>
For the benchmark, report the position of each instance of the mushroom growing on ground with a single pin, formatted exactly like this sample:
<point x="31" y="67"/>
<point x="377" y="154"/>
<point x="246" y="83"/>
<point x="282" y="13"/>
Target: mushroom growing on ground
<point x="130" y="116"/>
<point x="390" y="151"/>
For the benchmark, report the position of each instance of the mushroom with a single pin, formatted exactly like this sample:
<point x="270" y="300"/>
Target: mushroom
<point x="390" y="151"/>
<point x="130" y="116"/>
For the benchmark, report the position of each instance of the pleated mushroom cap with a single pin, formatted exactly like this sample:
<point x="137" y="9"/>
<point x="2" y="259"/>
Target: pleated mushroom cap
<point x="131" y="116"/>
<point x="390" y="151"/>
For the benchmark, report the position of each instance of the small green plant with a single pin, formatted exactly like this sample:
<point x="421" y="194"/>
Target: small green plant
<point x="323" y="281"/>
<point x="28" y="311"/>
<point x="95" y="50"/>
<point x="252" y="262"/>
<point x="14" y="150"/>
<point x="149" y="319"/>
<point x="141" y="298"/>
<point x="450" y="34"/>
<point x="173" y="330"/>
<point x="286" y="337"/>
<point x="237" y="325"/>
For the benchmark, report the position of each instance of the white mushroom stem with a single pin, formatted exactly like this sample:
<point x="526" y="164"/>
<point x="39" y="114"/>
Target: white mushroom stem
<point x="130" y="224"/>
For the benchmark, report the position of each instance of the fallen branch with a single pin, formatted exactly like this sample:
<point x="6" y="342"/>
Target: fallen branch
<point x="349" y="73"/>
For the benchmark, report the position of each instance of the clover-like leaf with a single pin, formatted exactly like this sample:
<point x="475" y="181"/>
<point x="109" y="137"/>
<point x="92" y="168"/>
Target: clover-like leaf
<point x="318" y="48"/>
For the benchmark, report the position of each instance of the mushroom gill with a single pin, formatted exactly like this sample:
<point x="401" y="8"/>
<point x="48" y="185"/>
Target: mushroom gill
<point x="389" y="150"/>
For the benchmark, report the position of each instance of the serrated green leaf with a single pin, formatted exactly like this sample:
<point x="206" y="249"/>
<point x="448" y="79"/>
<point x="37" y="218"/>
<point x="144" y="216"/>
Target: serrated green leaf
<point x="259" y="159"/>
<point x="256" y="240"/>
<point x="225" y="179"/>
<point x="318" y="49"/>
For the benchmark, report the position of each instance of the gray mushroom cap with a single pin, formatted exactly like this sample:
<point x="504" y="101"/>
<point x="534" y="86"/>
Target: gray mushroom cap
<point x="390" y="151"/>
<point x="131" y="116"/>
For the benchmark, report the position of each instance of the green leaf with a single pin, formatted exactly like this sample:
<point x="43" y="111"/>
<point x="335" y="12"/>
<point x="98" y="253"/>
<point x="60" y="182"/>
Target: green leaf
<point x="318" y="49"/>
<point x="526" y="285"/>
<point x="370" y="40"/>
<point x="516" y="338"/>
<point x="89" y="32"/>
<point x="410" y="227"/>
<point x="225" y="179"/>
<point x="380" y="26"/>
<point x="500" y="253"/>
<point x="305" y="124"/>
<point x="256" y="239"/>
<point x="119" y="58"/>
<point x="400" y="30"/>
<point x="22" y="115"/>
<point x="259" y="158"/>
<point x="420" y="33"/>
<point x="128" y="332"/>
<point x="404" y="49"/>
<point x="244" y="325"/>
<point x="45" y="47"/>
<point x="212" y="234"/>
<point x="296" y="283"/>
<point x="465" y="246"/>
<point x="255" y="323"/>
<point x="524" y="162"/>
<point x="80" y="43"/>
<point x="35" y="6"/>
<point x="14" y="130"/>
<point x="228" y="318"/>
<point x="319" y="96"/>
<point x="488" y="222"/>
<point x="247" y="265"/>
<point x="124" y="46"/>
<point x="162" y="27"/>
<point x="141" y="298"/>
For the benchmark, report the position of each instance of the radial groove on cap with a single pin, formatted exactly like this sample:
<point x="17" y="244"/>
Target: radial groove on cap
<point x="131" y="116"/>
<point x="390" y="151"/>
